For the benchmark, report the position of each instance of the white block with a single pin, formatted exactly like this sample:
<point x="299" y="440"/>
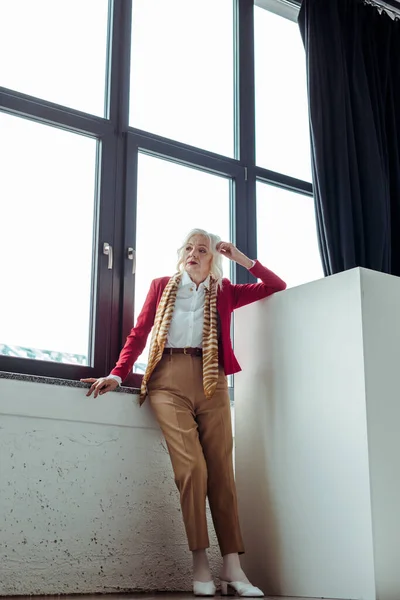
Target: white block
<point x="317" y="438"/>
<point x="88" y="503"/>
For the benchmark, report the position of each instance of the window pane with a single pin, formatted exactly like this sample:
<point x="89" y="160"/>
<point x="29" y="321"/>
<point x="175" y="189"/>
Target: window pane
<point x="283" y="142"/>
<point x="182" y="71"/>
<point x="47" y="191"/>
<point x="172" y="200"/>
<point x="286" y="234"/>
<point x="55" y="50"/>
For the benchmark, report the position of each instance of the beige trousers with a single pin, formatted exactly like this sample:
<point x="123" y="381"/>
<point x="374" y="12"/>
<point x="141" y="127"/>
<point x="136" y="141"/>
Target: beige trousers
<point x="198" y="433"/>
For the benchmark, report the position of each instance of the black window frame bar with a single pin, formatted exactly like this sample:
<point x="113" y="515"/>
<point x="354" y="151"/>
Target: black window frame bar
<point x="120" y="145"/>
<point x="284" y="181"/>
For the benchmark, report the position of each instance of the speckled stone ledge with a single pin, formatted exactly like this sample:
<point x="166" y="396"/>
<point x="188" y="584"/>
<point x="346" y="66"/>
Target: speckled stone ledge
<point x="63" y="382"/>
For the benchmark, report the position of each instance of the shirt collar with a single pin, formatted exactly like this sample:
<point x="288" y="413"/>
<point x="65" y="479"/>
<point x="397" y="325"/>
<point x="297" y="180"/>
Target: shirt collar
<point x="187" y="281"/>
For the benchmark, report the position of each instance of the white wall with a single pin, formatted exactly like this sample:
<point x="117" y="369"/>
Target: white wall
<point x="87" y="498"/>
<point x="302" y="462"/>
<point x="381" y="325"/>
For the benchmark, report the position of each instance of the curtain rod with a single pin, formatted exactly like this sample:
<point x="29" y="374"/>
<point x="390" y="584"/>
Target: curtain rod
<point x="389" y="6"/>
<point x="392" y="7"/>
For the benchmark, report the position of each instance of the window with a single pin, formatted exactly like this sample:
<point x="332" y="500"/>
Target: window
<point x="47" y="206"/>
<point x="172" y="200"/>
<point x="124" y="124"/>
<point x="282" y="130"/>
<point x="286" y="234"/>
<point x="56" y="50"/>
<point x="182" y="67"/>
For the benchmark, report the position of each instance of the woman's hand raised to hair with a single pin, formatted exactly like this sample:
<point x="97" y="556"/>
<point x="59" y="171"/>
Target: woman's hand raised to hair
<point x="101" y="386"/>
<point x="230" y="251"/>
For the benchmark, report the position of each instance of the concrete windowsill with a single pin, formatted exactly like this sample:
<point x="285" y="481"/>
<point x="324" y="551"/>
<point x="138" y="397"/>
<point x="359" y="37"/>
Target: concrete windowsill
<point x="61" y="382"/>
<point x="38" y="397"/>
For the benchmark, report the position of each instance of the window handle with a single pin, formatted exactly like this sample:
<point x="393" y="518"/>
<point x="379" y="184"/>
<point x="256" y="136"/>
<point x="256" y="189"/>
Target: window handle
<point x="108" y="251"/>
<point x="131" y="253"/>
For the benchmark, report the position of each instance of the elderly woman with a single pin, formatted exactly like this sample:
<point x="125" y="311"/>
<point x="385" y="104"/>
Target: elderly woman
<point x="185" y="381"/>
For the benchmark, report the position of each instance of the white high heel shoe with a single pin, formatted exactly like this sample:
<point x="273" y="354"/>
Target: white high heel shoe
<point x="238" y="588"/>
<point x="204" y="588"/>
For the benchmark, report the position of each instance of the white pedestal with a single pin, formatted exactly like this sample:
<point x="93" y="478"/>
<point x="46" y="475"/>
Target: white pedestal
<point x="317" y="410"/>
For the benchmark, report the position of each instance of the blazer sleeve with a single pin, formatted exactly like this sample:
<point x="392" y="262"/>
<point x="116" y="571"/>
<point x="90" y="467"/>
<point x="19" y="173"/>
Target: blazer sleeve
<point x="136" y="340"/>
<point x="251" y="292"/>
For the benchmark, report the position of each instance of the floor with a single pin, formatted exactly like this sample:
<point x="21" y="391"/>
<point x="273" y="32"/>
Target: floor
<point x="153" y="596"/>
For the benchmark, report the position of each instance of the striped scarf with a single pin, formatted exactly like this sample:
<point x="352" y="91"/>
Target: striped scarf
<point x="210" y="335"/>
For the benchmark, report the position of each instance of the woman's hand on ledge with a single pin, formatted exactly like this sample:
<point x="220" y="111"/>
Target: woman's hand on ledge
<point x="101" y="385"/>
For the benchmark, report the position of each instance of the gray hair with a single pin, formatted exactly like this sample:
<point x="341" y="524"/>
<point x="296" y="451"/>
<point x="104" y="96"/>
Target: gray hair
<point x="216" y="263"/>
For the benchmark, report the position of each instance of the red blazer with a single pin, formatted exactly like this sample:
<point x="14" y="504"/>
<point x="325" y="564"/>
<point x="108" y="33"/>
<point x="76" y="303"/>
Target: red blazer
<point x="229" y="298"/>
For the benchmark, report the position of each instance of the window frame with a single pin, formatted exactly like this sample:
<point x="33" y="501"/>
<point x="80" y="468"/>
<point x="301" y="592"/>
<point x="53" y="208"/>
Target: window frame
<point x="120" y="145"/>
<point x="101" y="281"/>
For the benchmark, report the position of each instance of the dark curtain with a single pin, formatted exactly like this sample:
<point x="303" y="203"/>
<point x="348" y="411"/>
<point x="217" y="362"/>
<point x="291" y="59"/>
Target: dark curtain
<point x="353" y="73"/>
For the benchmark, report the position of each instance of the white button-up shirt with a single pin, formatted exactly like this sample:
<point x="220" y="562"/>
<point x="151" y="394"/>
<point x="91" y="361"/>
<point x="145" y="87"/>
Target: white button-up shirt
<point x="186" y="328"/>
